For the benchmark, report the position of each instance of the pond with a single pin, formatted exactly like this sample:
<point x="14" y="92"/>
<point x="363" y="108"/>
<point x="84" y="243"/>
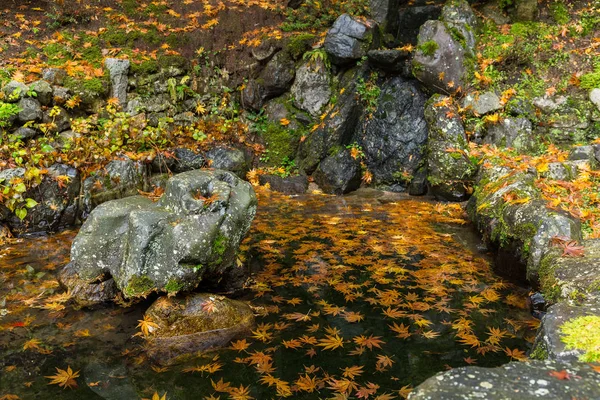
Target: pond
<point x="362" y="296"/>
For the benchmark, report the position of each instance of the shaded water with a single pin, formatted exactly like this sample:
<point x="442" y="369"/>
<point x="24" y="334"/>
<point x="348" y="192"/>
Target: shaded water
<point x="356" y="297"/>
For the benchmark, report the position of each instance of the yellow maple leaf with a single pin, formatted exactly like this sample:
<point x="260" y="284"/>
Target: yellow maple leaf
<point x="64" y="378"/>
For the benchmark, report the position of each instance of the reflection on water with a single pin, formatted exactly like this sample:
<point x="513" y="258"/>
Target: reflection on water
<point x="356" y="297"/>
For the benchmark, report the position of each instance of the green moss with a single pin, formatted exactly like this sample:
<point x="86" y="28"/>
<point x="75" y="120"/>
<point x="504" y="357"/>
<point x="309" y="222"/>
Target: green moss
<point x="548" y="284"/>
<point x="280" y="142"/>
<point x="218" y="249"/>
<point x="139" y="286"/>
<point x="57" y="53"/>
<point x="173" y="286"/>
<point x="428" y="48"/>
<point x="457" y="35"/>
<point x="300" y="44"/>
<point x="120" y="38"/>
<point x="89" y="88"/>
<point x="145" y="67"/>
<point x="583" y="333"/>
<point x="592" y="79"/>
<point x="172" y="61"/>
<point x="560" y="12"/>
<point x="539" y="353"/>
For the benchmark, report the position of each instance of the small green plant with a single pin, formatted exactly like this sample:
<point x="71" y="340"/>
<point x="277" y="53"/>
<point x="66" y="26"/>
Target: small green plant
<point x="368" y="92"/>
<point x="428" y="48"/>
<point x="316" y="55"/>
<point x="7" y="112"/>
<point x="559" y="12"/>
<point x="583" y="333"/>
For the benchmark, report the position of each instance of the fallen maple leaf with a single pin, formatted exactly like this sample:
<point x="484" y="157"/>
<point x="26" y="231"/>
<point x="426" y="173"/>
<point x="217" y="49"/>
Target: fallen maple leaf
<point x="64" y="378"/>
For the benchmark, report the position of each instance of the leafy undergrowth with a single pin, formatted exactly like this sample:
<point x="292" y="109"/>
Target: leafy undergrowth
<point x="354" y="298"/>
<point x="578" y="197"/>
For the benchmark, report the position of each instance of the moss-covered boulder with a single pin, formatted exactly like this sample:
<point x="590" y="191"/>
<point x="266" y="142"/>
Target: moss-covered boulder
<point x="193" y="324"/>
<point x="191" y="233"/>
<point x="508" y="209"/>
<point x="451" y="169"/>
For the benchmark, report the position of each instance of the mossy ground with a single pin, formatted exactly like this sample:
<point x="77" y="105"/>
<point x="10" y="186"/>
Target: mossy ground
<point x="583" y="333"/>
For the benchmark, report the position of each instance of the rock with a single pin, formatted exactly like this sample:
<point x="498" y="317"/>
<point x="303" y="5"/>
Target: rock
<point x="548" y="342"/>
<point x="349" y="39"/>
<point x="289" y="185"/>
<point x="228" y="159"/>
<point x="55" y="76"/>
<point x="56" y="196"/>
<point x="171" y="245"/>
<point x="418" y="184"/>
<point x="385" y="13"/>
<point x="118" y="179"/>
<point x="61" y="94"/>
<point x="526" y="10"/>
<point x="156" y="104"/>
<point x="44" y="92"/>
<point x="274" y="80"/>
<point x="339" y="173"/>
<point x="87" y="294"/>
<point x="116" y="384"/>
<point x="187" y="118"/>
<point x="23" y="134"/>
<point x="337" y="129"/>
<point x="572" y="278"/>
<point x="511" y="132"/>
<point x="583" y="153"/>
<point x="565" y="171"/>
<point x="595" y="97"/>
<point x="493" y="11"/>
<point x="394" y="139"/>
<point x="118" y="70"/>
<point x="179" y="160"/>
<point x="57" y="122"/>
<point x="461" y="20"/>
<point x="391" y="60"/>
<point x="521" y="107"/>
<point x="549" y="104"/>
<point x="14" y="91"/>
<point x="483" y="103"/>
<point x="515" y="380"/>
<point x="439" y="54"/>
<point x="412" y="15"/>
<point x="451" y="172"/>
<point x="264" y="53"/>
<point x="312" y="88"/>
<point x="31" y="110"/>
<point x="195" y="323"/>
<point x="521" y="232"/>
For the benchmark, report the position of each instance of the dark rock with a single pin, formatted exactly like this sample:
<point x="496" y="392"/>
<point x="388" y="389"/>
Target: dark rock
<point x="312" y="88"/>
<point x="56" y="196"/>
<point x="23" y="134"/>
<point x="548" y="343"/>
<point x="412" y="16"/>
<point x="178" y="160"/>
<point x="61" y="94"/>
<point x="511" y="132"/>
<point x="187" y="118"/>
<point x="537" y="305"/>
<point x="349" y="39"/>
<point x="229" y="159"/>
<point x="58" y="122"/>
<point x="394" y="139"/>
<point x="44" y="92"/>
<point x="288" y="185"/>
<point x="55" y="76"/>
<point x="394" y="61"/>
<point x="274" y="80"/>
<point x="194" y="324"/>
<point x="451" y="171"/>
<point x="337" y="128"/>
<point x="119" y="179"/>
<point x="418" y="184"/>
<point x="492" y="10"/>
<point x="515" y="380"/>
<point x="171" y="245"/>
<point x="157" y="104"/>
<point x="339" y="173"/>
<point x="520" y="107"/>
<point x="583" y="153"/>
<point x="87" y="294"/>
<point x="31" y="110"/>
<point x="526" y="10"/>
<point x="118" y="70"/>
<point x="14" y="91"/>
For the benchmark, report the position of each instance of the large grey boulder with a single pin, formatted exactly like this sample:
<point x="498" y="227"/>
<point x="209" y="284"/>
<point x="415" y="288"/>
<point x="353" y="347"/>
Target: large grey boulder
<point x="31" y="110"/>
<point x="118" y="179"/>
<point x="275" y="79"/>
<point x="511" y="132"/>
<point x="516" y="380"/>
<point x="118" y="70"/>
<point x="229" y="159"/>
<point x="23" y="134"/>
<point x="339" y="173"/>
<point x="394" y="139"/>
<point x="312" y="88"/>
<point x="349" y="39"/>
<point x="451" y="170"/>
<point x="461" y="21"/>
<point x="193" y="232"/>
<point x="14" y="91"/>
<point x="194" y="324"/>
<point x="57" y="122"/>
<point x="482" y="103"/>
<point x="56" y="196"/>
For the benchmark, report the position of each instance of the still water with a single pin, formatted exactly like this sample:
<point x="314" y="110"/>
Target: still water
<point x="356" y="297"/>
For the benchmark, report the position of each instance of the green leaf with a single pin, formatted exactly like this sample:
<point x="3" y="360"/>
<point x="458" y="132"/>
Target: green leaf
<point x="30" y="203"/>
<point x="21" y="213"/>
<point x="20" y="188"/>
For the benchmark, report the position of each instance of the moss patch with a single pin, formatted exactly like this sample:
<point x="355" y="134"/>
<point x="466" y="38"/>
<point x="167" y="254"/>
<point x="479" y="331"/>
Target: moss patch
<point x="583" y="333"/>
<point x="173" y="286"/>
<point x="218" y="248"/>
<point x="138" y="286"/>
<point x="428" y="48"/>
